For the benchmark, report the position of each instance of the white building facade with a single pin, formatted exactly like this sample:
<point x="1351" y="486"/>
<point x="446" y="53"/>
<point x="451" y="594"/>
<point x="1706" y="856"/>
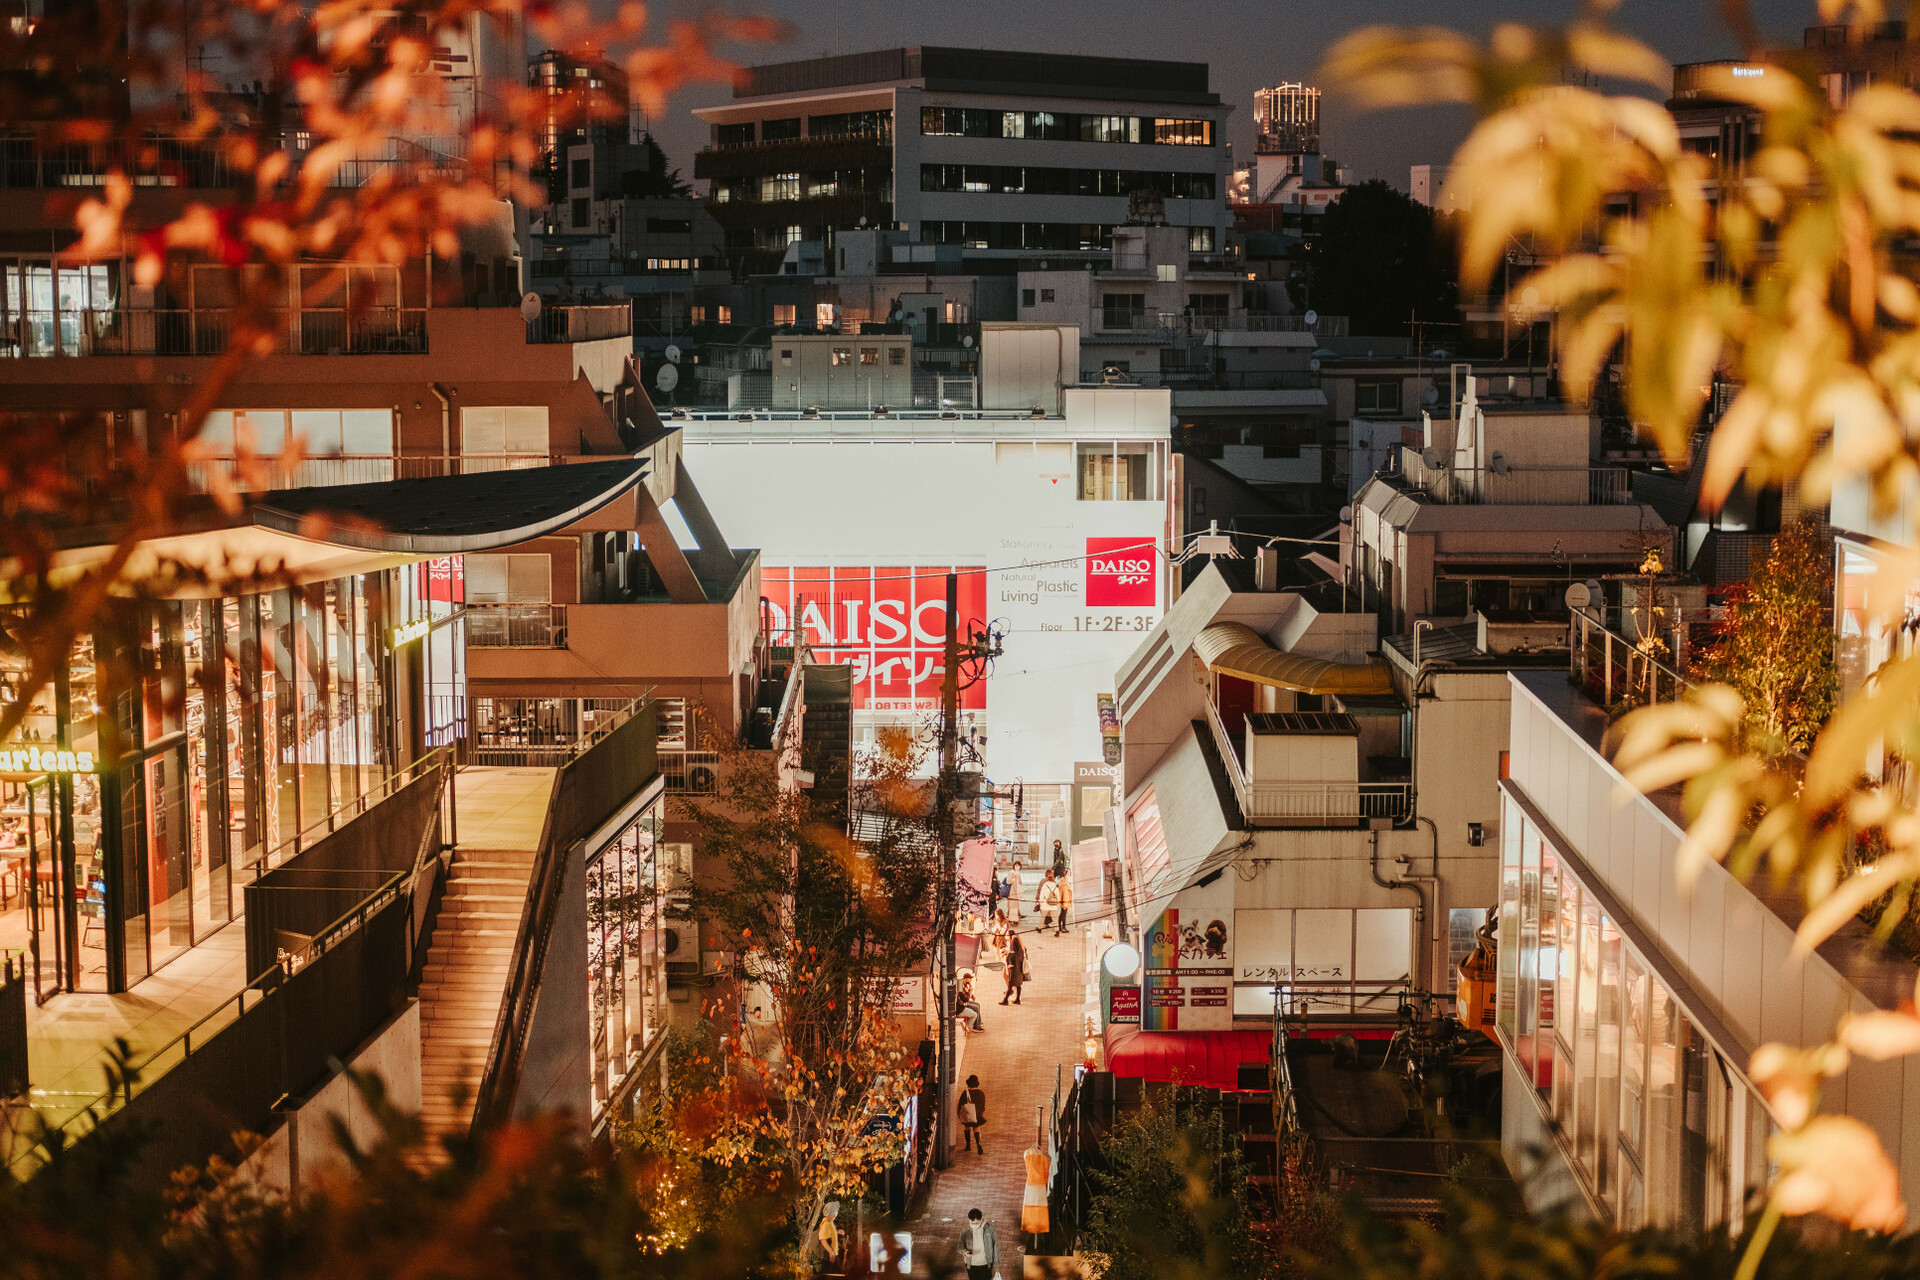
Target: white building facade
<point x="1053" y="517"/>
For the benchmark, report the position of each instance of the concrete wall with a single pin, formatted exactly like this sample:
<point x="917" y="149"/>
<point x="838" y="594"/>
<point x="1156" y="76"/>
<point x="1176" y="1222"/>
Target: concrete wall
<point x="304" y="1148"/>
<point x="1025" y="365"/>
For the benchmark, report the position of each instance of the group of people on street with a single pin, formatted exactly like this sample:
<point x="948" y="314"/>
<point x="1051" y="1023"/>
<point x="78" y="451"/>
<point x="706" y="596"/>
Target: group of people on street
<point x="1053" y="900"/>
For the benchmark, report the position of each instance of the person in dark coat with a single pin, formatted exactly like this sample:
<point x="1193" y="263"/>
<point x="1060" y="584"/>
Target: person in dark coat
<point x="1059" y="861"/>
<point x="1016" y="970"/>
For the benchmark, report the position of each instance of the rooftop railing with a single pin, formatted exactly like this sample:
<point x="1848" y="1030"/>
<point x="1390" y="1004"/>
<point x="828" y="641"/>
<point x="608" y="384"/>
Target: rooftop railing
<point x="586" y="323"/>
<point x="1308" y="804"/>
<point x="1518" y="486"/>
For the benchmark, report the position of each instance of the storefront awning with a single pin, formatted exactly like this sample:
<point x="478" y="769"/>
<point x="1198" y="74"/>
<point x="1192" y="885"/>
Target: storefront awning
<point x="1207" y="1059"/>
<point x="1235" y="649"/>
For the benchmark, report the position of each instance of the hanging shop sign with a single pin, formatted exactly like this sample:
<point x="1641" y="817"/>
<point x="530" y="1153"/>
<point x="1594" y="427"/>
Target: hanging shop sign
<point x="36" y="760"/>
<point x="1109" y="728"/>
<point x="1123" y="1005"/>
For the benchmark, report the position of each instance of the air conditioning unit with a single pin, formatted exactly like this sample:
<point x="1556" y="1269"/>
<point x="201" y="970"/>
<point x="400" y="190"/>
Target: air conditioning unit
<point x="678" y="944"/>
<point x="702" y="778"/>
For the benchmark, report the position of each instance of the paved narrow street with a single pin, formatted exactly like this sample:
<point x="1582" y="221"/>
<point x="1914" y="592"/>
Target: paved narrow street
<point x="1024" y="1050"/>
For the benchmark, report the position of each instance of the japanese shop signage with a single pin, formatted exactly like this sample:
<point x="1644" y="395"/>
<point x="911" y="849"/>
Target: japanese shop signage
<point x="1121" y="573"/>
<point x="1109" y="728"/>
<point x="888" y="622"/>
<point x="1123" y="1005"/>
<point x="1188" y="957"/>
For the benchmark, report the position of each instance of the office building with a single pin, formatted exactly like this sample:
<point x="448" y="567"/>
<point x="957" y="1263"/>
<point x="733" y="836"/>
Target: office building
<point x="1009" y="156"/>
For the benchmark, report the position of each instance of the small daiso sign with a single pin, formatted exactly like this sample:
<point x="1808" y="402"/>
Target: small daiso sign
<point x="1122" y="572"/>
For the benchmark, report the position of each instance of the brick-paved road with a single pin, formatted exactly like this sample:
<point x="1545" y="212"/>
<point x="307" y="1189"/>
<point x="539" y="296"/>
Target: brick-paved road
<point x="1016" y="1060"/>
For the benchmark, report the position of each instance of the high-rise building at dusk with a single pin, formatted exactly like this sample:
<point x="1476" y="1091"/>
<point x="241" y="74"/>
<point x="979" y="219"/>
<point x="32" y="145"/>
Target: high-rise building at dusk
<point x="1286" y="119"/>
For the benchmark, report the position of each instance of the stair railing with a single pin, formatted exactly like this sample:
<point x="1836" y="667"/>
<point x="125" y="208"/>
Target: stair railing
<point x="493" y="1099"/>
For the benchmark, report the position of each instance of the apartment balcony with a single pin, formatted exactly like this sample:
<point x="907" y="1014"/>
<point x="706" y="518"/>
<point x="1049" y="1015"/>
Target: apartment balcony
<point x="1516" y="486"/>
<point x="136" y="331"/>
<point x="517" y="626"/>
<point x="1265" y="762"/>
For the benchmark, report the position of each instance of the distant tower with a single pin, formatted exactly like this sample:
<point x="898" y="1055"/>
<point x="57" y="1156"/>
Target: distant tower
<point x="1287" y="120"/>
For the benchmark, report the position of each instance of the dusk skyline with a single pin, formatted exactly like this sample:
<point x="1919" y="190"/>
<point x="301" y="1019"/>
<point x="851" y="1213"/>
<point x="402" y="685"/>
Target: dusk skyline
<point x="1369" y="144"/>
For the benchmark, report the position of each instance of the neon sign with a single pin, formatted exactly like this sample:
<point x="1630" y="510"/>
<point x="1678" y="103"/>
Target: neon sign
<point x="34" y="760"/>
<point x="411" y="631"/>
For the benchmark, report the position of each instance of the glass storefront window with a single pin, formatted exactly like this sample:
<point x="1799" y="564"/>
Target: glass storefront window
<point x="1633" y="1089"/>
<point x="1526" y="1013"/>
<point x="1509" y="953"/>
<point x="1586" y="1037"/>
<point x="626" y="979"/>
<point x="1607" y="1070"/>
<point x="1548" y="970"/>
<point x="1566" y="1008"/>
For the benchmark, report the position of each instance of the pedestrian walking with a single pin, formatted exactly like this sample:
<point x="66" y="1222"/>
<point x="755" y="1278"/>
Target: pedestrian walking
<point x="978" y="1247"/>
<point x="1016" y="969"/>
<point x="1066" y="903"/>
<point x="973" y="1114"/>
<point x="1059" y="861"/>
<point x="1047" y="900"/>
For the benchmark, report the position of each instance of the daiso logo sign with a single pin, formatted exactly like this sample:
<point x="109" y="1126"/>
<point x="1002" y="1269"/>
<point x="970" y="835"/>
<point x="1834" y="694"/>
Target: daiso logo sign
<point x="1121" y="572"/>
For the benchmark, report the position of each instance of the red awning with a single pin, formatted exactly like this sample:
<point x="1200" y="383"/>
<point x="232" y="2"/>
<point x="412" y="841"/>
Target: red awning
<point x="1208" y="1059"/>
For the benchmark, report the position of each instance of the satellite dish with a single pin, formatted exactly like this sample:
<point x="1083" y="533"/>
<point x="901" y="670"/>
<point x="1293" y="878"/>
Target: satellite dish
<point x="1314" y="365"/>
<point x="667" y="379"/>
<point x="1431" y="395"/>
<point x="530" y="307"/>
<point x="966" y="340"/>
<point x="1312" y="318"/>
<point x="863" y="221"/>
<point x="1435" y="457"/>
<point x="1121" y="960"/>
<point x="673" y="354"/>
<point x="1578" y="597"/>
<point x="1346" y="515"/>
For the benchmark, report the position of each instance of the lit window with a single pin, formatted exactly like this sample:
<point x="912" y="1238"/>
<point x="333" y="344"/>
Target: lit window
<point x="823" y="314"/>
<point x="783" y="313"/>
<point x="842" y="355"/>
<point x="870" y="355"/>
<point x="724" y="314"/>
<point x="1168" y="273"/>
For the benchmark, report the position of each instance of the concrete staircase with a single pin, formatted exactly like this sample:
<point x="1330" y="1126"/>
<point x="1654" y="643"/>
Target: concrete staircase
<point x="465" y="977"/>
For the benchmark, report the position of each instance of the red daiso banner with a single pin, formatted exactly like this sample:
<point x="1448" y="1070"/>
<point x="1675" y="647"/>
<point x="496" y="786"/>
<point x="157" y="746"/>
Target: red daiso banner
<point x="1122" y="572"/>
<point x="888" y="622"/>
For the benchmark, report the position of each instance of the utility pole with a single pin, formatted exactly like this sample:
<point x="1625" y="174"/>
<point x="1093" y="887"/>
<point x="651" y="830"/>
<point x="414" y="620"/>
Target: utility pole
<point x="946" y="915"/>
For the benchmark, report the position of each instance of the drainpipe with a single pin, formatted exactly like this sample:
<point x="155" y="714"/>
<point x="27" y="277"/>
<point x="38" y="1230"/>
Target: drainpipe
<point x="1399" y="882"/>
<point x="446" y="428"/>
<point x="1435" y="937"/>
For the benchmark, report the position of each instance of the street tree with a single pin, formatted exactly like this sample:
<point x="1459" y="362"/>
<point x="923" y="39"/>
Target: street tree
<point x="1381" y="259"/>
<point x="824" y="927"/>
<point x="1775" y="645"/>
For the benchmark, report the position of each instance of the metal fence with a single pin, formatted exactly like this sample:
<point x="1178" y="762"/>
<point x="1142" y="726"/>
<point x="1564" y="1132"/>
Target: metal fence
<point x="543" y="732"/>
<point x="516" y="626"/>
<point x="1519" y="486"/>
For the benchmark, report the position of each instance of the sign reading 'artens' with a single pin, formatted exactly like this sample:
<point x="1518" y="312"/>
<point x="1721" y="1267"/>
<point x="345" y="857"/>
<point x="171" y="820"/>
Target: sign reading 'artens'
<point x="34" y="760"/>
